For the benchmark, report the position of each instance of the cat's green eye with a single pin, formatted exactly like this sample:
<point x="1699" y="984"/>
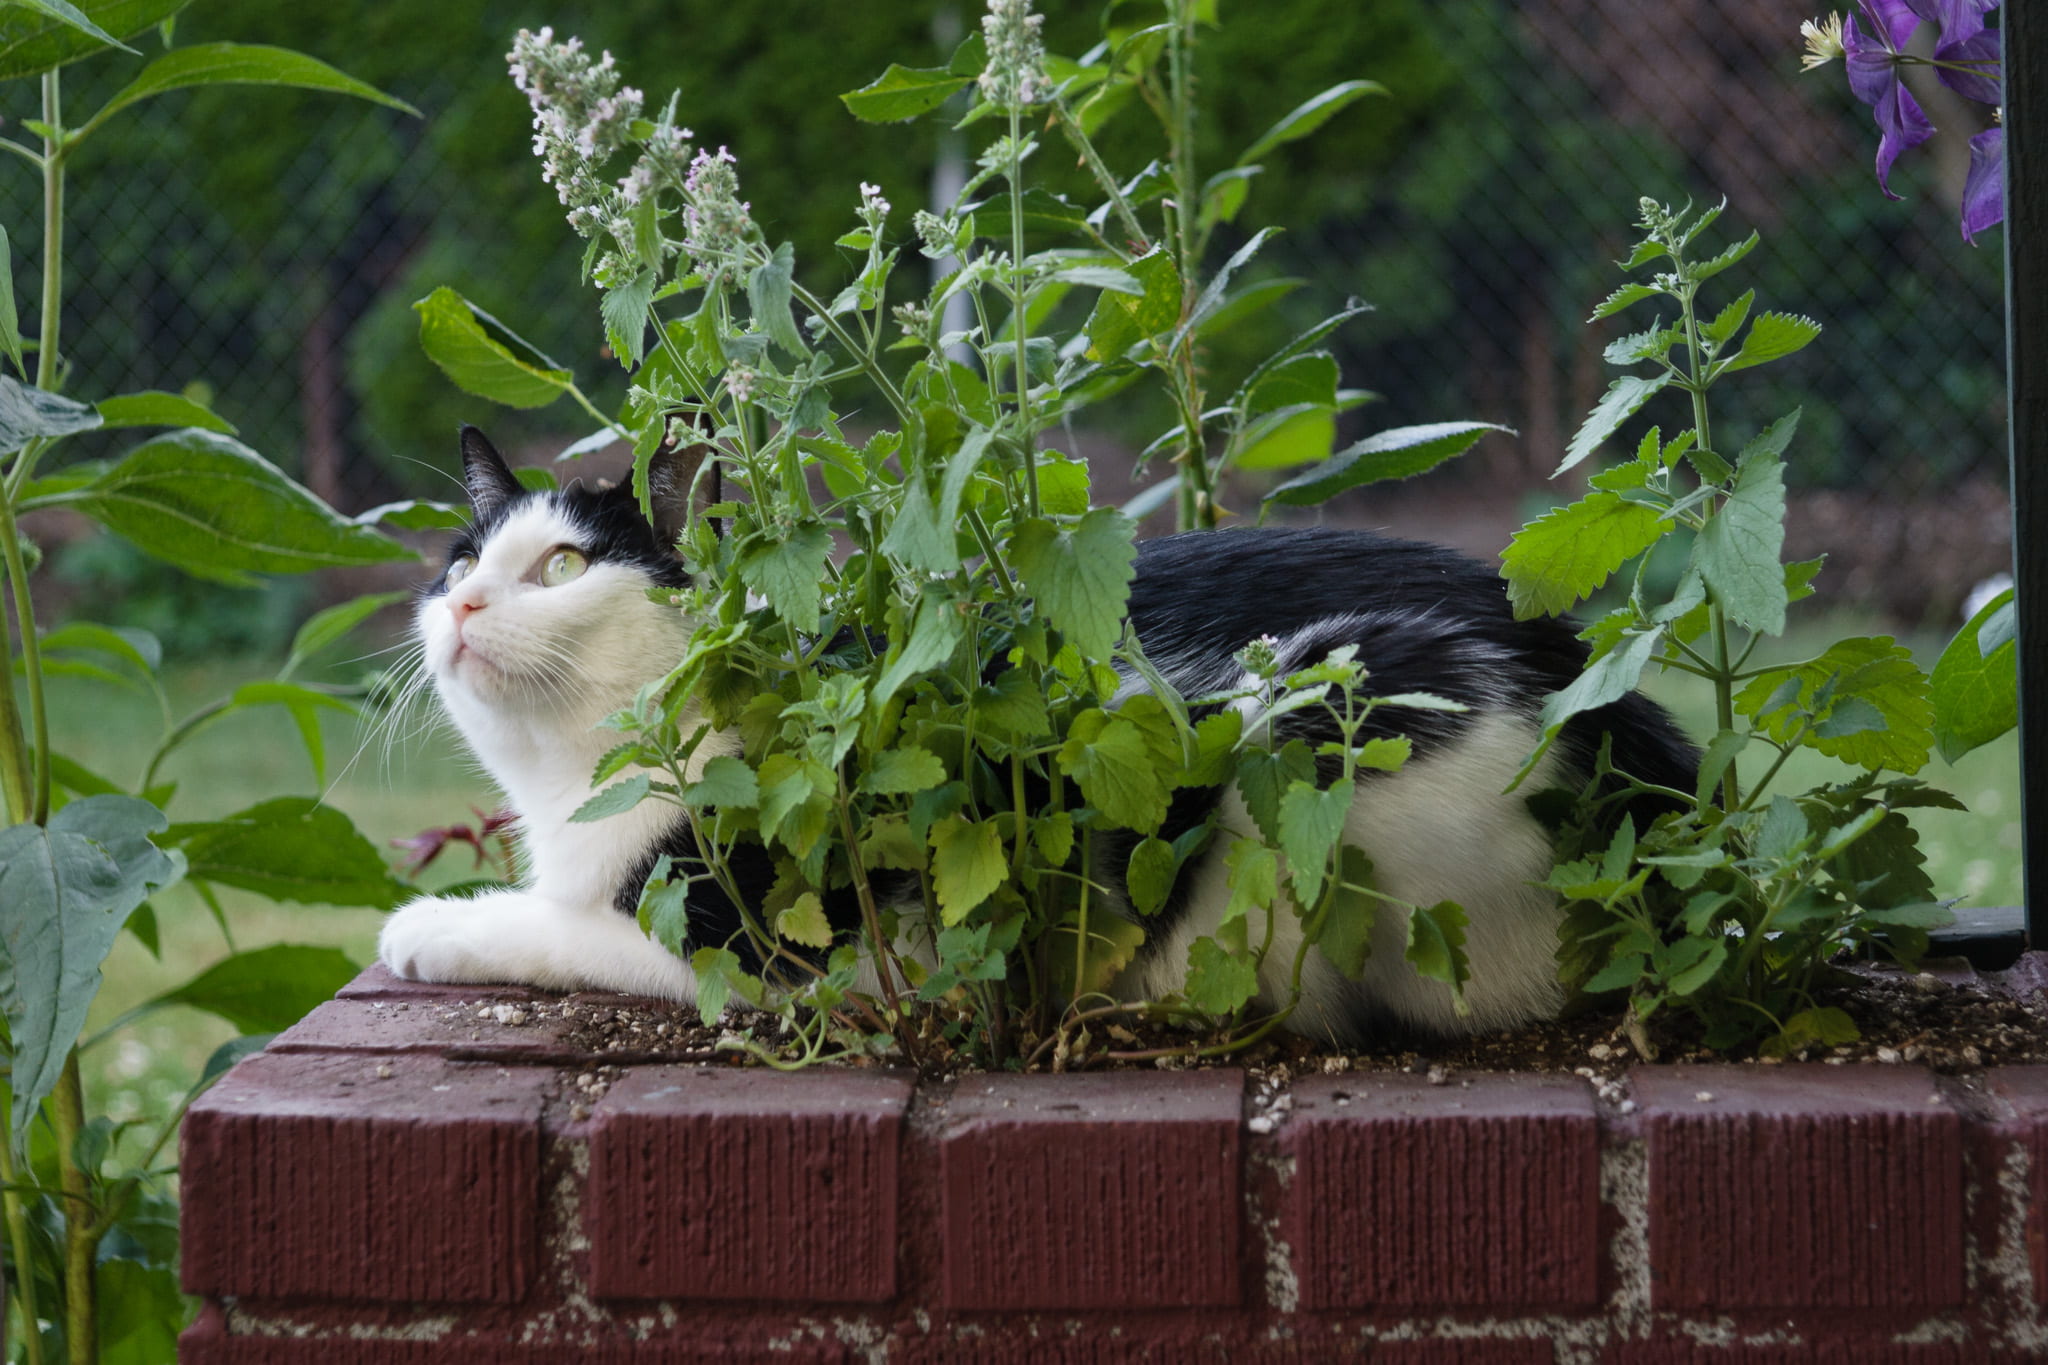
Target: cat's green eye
<point x="562" y="565"/>
<point x="460" y="569"/>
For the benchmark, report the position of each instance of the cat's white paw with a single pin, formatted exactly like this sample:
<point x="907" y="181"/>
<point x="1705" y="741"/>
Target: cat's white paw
<point x="522" y="939"/>
<point x="440" y="939"/>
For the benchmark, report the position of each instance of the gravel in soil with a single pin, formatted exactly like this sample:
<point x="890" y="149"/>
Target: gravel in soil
<point x="1949" y="1019"/>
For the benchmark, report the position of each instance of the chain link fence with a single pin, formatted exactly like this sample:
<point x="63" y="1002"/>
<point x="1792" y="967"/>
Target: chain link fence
<point x="1483" y="237"/>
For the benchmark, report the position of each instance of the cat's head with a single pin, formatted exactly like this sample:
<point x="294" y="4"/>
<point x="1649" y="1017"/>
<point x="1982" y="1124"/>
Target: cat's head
<point x="542" y="611"/>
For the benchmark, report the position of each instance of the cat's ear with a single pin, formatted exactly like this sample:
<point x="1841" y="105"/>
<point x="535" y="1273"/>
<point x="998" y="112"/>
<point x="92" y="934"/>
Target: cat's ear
<point x="671" y="473"/>
<point x="485" y="474"/>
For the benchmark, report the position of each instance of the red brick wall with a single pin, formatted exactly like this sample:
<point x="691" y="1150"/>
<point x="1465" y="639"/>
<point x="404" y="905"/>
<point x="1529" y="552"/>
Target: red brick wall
<point x="407" y="1178"/>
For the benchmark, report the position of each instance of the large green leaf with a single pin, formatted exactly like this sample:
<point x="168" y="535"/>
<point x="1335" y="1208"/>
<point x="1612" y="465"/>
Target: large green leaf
<point x="27" y="413"/>
<point x="1976" y="694"/>
<point x="1740" y="551"/>
<point x="1121" y="763"/>
<point x="1623" y="399"/>
<point x="1399" y="453"/>
<point x="1080" y="575"/>
<point x="241" y="64"/>
<point x="1218" y="981"/>
<point x="1121" y="320"/>
<point x="266" y="989"/>
<point x="216" y="509"/>
<point x="1870" y="677"/>
<point x="459" y="337"/>
<point x="1567" y="553"/>
<point x="967" y="864"/>
<point x="1436" y="947"/>
<point x="154" y="408"/>
<point x="1311" y="822"/>
<point x="65" y="892"/>
<point x="903" y="92"/>
<point x="33" y="41"/>
<point x="934" y="634"/>
<point x="326" y="627"/>
<point x="1309" y="116"/>
<point x="290" y="849"/>
<point x="785" y="571"/>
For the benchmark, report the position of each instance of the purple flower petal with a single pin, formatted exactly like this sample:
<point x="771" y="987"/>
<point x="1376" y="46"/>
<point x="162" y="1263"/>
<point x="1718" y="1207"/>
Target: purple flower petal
<point x="1984" y="189"/>
<point x="1904" y="125"/>
<point x="1894" y="20"/>
<point x="1958" y="20"/>
<point x="1979" y="51"/>
<point x="1873" y="66"/>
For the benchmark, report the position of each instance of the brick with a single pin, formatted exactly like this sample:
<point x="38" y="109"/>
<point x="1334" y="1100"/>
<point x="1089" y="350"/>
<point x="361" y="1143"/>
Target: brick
<point x="2025" y="1088"/>
<point x="1109" y="1190"/>
<point x="1460" y="1351"/>
<point x="1802" y="1186"/>
<point x="745" y="1184"/>
<point x="1410" y="1194"/>
<point x="435" y="1026"/>
<point x="1840" y="1350"/>
<point x="207" y="1345"/>
<point x="315" y="1176"/>
<point x="379" y="982"/>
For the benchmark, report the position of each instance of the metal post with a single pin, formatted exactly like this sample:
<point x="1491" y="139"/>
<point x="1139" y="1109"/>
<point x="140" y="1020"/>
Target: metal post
<point x="2025" y="39"/>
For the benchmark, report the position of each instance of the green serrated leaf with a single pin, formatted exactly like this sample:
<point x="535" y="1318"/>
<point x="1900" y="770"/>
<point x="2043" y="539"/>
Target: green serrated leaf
<point x="786" y="572"/>
<point x="967" y="864"/>
<point x="1876" y="670"/>
<point x="1623" y="399"/>
<point x="1079" y="574"/>
<point x="1346" y="940"/>
<point x="1122" y="763"/>
<point x="616" y="799"/>
<point x="804" y="922"/>
<point x="1772" y="336"/>
<point x="1621" y="298"/>
<point x="1399" y="453"/>
<point x="1566" y="554"/>
<point x="1218" y="982"/>
<point x="1311" y="822"/>
<point x="1740" y="551"/>
<point x="1264" y="776"/>
<point x="725" y="782"/>
<point x="624" y="310"/>
<point x="903" y="771"/>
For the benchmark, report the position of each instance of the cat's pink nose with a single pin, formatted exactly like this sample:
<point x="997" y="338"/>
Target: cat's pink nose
<point x="462" y="607"/>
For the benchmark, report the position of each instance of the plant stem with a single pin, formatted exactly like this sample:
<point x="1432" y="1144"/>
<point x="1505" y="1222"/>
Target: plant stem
<point x="899" y="1023"/>
<point x="1021" y="322"/>
<point x="24" y="1265"/>
<point x="81" y="1233"/>
<point x="1723" y="674"/>
<point x="53" y="232"/>
<point x="35" y="799"/>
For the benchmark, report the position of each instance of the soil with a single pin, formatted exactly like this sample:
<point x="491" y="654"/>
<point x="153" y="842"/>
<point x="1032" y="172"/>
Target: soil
<point x="1948" y="1018"/>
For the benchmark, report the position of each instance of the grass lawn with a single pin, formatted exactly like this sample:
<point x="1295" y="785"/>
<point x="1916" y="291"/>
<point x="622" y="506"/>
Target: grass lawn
<point x="424" y="781"/>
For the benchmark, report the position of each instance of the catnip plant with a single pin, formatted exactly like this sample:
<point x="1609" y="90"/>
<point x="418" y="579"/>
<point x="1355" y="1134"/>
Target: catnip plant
<point x="90" y="1220"/>
<point x="917" y="631"/>
<point x="1728" y="910"/>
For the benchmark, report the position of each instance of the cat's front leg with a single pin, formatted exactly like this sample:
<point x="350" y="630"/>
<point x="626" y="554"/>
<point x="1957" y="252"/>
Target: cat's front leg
<point x="519" y="938"/>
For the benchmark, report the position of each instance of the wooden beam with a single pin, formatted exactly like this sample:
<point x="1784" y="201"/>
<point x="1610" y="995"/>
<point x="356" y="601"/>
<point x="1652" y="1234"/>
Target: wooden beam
<point x="2025" y="41"/>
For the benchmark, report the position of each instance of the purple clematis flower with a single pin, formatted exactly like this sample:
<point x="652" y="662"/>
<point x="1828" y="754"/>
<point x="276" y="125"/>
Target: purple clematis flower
<point x="1984" y="189"/>
<point x="1873" y="62"/>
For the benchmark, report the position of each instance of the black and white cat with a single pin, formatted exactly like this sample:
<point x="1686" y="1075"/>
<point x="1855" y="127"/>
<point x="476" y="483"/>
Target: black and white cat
<point x="541" y="626"/>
